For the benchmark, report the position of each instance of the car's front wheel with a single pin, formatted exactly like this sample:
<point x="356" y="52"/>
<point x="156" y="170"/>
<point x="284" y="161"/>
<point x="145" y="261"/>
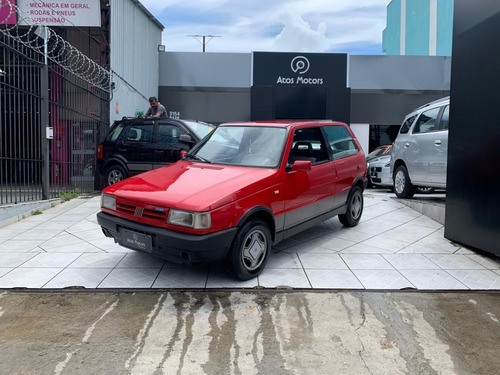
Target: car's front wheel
<point x="402" y="185"/>
<point x="250" y="250"/>
<point x="114" y="174"/>
<point x="354" y="208"/>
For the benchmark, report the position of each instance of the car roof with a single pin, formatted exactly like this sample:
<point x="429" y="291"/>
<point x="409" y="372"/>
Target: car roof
<point x="283" y="123"/>
<point x="439" y="101"/>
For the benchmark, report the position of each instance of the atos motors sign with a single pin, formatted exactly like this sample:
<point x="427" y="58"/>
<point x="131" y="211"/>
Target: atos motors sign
<point x="299" y="69"/>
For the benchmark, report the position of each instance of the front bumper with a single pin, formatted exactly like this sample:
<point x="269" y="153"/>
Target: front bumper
<point x="176" y="247"/>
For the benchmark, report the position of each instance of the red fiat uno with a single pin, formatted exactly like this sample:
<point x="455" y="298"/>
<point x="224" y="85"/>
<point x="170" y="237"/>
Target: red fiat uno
<point x="243" y="188"/>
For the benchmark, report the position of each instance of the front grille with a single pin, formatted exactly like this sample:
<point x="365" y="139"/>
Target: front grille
<point x="139" y="211"/>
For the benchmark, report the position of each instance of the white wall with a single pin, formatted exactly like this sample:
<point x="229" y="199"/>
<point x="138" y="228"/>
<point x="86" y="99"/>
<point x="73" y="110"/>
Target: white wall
<point x="362" y="133"/>
<point x="135" y="36"/>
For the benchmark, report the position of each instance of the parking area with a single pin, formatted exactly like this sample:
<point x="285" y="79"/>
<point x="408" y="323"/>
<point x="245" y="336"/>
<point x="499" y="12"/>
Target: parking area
<point x="394" y="247"/>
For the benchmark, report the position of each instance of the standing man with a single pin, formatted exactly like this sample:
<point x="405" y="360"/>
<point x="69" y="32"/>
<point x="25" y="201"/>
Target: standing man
<point x="155" y="109"/>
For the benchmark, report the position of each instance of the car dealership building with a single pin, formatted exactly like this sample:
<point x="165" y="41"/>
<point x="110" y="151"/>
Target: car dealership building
<point x="370" y="93"/>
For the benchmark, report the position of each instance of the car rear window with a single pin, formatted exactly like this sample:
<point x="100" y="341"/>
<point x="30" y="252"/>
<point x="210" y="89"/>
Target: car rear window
<point x="115" y="132"/>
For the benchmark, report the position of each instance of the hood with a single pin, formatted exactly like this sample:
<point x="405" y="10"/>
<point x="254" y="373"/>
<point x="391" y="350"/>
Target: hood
<point x="194" y="186"/>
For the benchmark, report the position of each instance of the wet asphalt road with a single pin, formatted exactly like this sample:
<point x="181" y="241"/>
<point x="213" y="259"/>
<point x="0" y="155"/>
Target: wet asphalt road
<point x="251" y="332"/>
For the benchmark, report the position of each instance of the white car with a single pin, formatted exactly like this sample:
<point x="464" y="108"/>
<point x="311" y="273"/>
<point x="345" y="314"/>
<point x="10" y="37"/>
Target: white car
<point x="419" y="153"/>
<point x="379" y="171"/>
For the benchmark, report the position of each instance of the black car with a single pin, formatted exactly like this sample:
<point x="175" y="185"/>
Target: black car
<point x="136" y="145"/>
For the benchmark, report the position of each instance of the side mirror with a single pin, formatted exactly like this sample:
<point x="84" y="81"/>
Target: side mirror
<point x="183" y="153"/>
<point x="302" y="165"/>
<point x="186" y="138"/>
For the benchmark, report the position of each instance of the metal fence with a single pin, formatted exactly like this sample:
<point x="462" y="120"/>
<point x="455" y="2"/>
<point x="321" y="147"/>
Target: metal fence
<point x="36" y="94"/>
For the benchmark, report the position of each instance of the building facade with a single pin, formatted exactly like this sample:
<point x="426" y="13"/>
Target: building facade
<point x="419" y="27"/>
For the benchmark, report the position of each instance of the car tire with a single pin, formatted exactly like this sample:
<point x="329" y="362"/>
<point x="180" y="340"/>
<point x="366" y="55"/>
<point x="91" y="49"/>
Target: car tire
<point x="354" y="208"/>
<point x="425" y="190"/>
<point x="114" y="174"/>
<point x="403" y="188"/>
<point x="250" y="249"/>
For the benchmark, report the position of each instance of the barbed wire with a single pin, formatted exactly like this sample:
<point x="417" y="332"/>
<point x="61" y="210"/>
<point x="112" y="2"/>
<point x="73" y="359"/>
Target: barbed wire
<point x="48" y="43"/>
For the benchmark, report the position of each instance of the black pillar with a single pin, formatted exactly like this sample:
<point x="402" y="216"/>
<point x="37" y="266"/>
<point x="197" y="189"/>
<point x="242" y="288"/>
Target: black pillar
<point x="473" y="190"/>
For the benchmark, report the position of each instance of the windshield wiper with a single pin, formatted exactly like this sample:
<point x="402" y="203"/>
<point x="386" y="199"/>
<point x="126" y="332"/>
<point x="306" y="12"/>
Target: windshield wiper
<point x="197" y="157"/>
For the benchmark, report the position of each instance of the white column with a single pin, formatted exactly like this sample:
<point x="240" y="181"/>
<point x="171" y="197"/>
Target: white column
<point x="402" y="40"/>
<point x="432" y="27"/>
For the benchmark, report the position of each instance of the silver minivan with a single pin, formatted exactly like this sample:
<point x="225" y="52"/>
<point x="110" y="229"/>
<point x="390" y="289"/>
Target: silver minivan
<point x="420" y="151"/>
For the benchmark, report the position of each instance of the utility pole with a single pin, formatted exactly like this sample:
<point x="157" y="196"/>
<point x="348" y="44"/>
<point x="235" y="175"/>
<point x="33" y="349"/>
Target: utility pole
<point x="204" y="41"/>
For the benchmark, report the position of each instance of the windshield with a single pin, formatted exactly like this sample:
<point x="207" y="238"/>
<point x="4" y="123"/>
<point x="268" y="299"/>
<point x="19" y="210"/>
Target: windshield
<point x="242" y="145"/>
<point x="201" y="129"/>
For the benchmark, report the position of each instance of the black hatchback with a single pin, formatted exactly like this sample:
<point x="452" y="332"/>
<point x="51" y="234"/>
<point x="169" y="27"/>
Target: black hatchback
<point x="135" y="145"/>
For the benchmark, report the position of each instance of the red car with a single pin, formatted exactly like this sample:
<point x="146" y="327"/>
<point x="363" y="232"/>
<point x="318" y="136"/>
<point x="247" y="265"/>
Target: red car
<point x="243" y="188"/>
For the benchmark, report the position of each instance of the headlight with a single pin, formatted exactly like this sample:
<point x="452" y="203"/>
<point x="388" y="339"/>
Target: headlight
<point x="388" y="164"/>
<point x="195" y="220"/>
<point x="108" y="201"/>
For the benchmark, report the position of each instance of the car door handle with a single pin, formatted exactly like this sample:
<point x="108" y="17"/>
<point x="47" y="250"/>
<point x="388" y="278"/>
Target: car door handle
<point x="437" y="142"/>
<point x="407" y="144"/>
<point x="122" y="150"/>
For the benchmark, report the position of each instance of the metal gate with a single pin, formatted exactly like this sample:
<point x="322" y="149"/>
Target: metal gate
<point x="50" y="119"/>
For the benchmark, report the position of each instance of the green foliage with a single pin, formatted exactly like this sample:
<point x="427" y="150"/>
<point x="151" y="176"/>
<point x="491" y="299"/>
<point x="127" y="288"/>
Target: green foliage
<point x="37" y="212"/>
<point x="66" y="196"/>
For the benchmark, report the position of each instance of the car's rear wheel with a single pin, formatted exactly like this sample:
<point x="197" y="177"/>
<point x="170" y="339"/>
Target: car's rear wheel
<point x="402" y="184"/>
<point x="250" y="250"/>
<point x="114" y="174"/>
<point x="354" y="208"/>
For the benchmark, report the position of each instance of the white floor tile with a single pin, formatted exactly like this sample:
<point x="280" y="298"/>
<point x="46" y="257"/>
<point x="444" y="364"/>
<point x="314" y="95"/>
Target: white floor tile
<point x="454" y="262"/>
<point x="366" y="262"/>
<point x="283" y="259"/>
<point x="140" y="260"/>
<point x="181" y="277"/>
<point x="477" y="279"/>
<point x="382" y="279"/>
<point x="225" y="279"/>
<point x="332" y="242"/>
<point x="322" y="261"/>
<point x="13" y="260"/>
<point x="28" y="277"/>
<point x="4" y="270"/>
<point x="491" y="263"/>
<point x="130" y="278"/>
<point x="78" y="277"/>
<point x="51" y="260"/>
<point x="333" y="279"/>
<point x="385" y="243"/>
<point x="433" y="280"/>
<point x="410" y="262"/>
<point x="19" y="246"/>
<point x="364" y="248"/>
<point x="97" y="260"/>
<point x="284" y="278"/>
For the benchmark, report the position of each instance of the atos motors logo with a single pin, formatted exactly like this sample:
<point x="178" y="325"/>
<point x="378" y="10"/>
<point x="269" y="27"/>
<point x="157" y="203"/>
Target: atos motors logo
<point x="299" y="65"/>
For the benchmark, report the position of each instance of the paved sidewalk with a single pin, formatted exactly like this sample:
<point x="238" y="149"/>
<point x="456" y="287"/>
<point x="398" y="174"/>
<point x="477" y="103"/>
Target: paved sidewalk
<point x="394" y="247"/>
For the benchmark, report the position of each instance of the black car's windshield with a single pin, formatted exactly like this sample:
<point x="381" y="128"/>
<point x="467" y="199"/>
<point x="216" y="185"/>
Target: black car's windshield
<point x="244" y="145"/>
<point x="201" y="129"/>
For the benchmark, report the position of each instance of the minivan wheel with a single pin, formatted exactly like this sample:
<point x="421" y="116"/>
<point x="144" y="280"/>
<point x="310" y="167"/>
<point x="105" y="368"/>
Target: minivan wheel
<point x="402" y="185"/>
<point x="354" y="208"/>
<point x="114" y="174"/>
<point x="250" y="250"/>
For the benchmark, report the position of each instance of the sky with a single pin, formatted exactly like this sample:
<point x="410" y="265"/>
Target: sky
<point x="242" y="26"/>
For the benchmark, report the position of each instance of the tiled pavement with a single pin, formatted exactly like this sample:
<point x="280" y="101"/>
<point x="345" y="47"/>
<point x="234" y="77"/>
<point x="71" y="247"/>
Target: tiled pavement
<point x="393" y="247"/>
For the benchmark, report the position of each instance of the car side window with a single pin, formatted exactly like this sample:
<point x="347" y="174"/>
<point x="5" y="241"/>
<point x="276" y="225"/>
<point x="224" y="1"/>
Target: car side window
<point x="405" y="128"/>
<point x="340" y="141"/>
<point x="308" y="144"/>
<point x="445" y="119"/>
<point x="115" y="133"/>
<point x="427" y="121"/>
<point x="168" y="133"/>
<point x="140" y="133"/>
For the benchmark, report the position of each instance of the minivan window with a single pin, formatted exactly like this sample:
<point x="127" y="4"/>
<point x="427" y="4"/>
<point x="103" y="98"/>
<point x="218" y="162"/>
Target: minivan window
<point x="445" y="119"/>
<point x="427" y="121"/>
<point x="405" y="128"/>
